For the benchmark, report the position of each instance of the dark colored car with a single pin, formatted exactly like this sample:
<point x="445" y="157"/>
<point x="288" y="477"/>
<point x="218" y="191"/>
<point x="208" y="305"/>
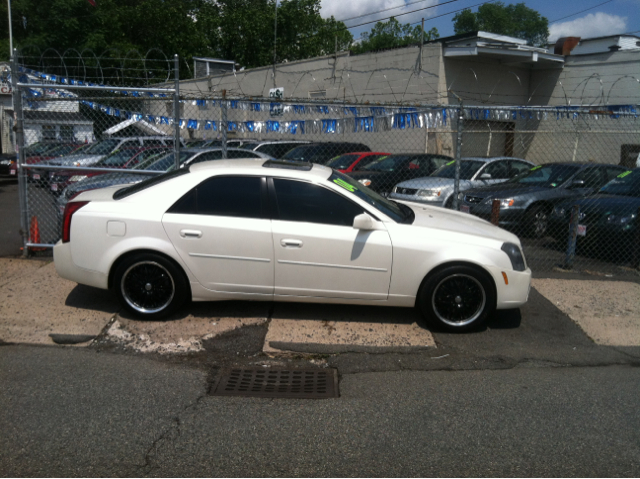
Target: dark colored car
<point x="354" y="161"/>
<point x="275" y="148"/>
<point x="608" y="218"/>
<point x="8" y="165"/>
<point x="382" y="175"/>
<point x="527" y="200"/>
<point x="125" y="158"/>
<point x="321" y="153"/>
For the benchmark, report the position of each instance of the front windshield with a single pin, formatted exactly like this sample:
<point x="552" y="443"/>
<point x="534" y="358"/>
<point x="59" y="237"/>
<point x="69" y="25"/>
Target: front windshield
<point x="546" y="176"/>
<point x="102" y="147"/>
<point x="387" y="163"/>
<point x="397" y="212"/>
<point x="39" y="148"/>
<point x="306" y="153"/>
<point x="626" y="184"/>
<point x="117" y="158"/>
<point x="342" y="162"/>
<point x="468" y="168"/>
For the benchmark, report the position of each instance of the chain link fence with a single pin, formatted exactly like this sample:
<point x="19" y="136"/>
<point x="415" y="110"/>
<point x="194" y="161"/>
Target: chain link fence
<point x="561" y="178"/>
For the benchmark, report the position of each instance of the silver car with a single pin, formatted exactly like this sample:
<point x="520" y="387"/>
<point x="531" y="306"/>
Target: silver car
<point x="437" y="189"/>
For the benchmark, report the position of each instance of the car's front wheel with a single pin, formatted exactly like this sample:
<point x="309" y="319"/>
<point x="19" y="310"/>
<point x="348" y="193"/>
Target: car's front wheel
<point x="457" y="298"/>
<point x="149" y="285"/>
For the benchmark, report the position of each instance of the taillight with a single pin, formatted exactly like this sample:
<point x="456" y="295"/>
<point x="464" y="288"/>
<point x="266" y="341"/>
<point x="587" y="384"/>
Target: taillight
<point x="69" y="210"/>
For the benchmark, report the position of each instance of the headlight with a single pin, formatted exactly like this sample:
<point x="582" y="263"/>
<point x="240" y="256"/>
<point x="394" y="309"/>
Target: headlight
<point x="559" y="211"/>
<point x="5" y="162"/>
<point x="620" y="220"/>
<point x="515" y="255"/>
<point x="428" y="193"/>
<point x="394" y="190"/>
<point x="504" y="203"/>
<point x="77" y="177"/>
<point x="365" y="182"/>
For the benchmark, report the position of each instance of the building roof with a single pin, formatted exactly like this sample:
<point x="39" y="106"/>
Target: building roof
<point x="57" y="117"/>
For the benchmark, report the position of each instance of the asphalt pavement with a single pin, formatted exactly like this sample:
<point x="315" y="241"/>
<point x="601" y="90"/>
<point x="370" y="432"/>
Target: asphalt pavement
<point x="79" y="412"/>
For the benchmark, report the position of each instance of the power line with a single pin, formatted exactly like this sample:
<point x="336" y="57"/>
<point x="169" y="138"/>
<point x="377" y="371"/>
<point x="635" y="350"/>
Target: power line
<point x="581" y="11"/>
<point x="418" y="10"/>
<point x="393" y="8"/>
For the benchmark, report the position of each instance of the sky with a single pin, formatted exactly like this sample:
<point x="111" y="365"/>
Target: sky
<point x="586" y="18"/>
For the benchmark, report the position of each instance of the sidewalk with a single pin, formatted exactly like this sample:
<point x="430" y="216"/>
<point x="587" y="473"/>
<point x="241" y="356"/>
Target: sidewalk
<point x="35" y="303"/>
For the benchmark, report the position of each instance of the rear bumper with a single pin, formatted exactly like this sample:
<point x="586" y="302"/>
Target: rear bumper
<point x="67" y="269"/>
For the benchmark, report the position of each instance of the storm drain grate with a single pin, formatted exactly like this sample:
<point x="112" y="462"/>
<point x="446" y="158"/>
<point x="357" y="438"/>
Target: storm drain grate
<point x="283" y="383"/>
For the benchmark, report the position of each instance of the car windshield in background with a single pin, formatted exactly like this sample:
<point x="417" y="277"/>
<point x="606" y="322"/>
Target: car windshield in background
<point x="387" y="163"/>
<point x="117" y="158"/>
<point x="468" y="168"/>
<point x="626" y="184"/>
<point x="342" y="162"/>
<point x="102" y="147"/>
<point x="397" y="212"/>
<point x="549" y="176"/>
<point x="247" y="146"/>
<point x="307" y="153"/>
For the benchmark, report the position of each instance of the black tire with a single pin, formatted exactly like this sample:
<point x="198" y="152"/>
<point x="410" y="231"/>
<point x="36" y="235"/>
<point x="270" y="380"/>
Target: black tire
<point x="457" y="298"/>
<point x="449" y="203"/>
<point x="150" y="286"/>
<point x="536" y="221"/>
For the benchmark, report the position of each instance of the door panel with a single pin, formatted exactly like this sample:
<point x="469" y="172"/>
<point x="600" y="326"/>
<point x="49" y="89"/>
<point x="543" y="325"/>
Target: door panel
<point x="224" y="253"/>
<point x="331" y="261"/>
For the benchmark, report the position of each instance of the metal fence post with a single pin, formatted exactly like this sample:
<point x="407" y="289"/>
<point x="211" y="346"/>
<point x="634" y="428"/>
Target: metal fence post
<point x="573" y="236"/>
<point x="19" y="130"/>
<point x="636" y="246"/>
<point x="223" y="123"/>
<point x="456" y="184"/>
<point x="176" y="113"/>
<point x="495" y="212"/>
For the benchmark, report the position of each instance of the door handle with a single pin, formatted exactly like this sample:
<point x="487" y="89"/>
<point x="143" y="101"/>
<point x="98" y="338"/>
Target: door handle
<point x="291" y="243"/>
<point x="191" y="233"/>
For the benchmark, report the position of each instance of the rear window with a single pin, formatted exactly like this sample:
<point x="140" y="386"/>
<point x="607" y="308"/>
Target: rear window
<point x="143" y="185"/>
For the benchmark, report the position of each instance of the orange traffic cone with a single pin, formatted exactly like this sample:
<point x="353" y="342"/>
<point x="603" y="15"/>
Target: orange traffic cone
<point x="34" y="234"/>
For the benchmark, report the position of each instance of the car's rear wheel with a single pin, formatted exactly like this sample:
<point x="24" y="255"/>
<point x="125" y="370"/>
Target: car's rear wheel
<point x="149" y="285"/>
<point x="457" y="298"/>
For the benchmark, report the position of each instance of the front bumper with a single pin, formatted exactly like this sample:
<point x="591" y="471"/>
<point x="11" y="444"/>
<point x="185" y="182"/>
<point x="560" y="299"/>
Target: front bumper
<point x="514" y="294"/>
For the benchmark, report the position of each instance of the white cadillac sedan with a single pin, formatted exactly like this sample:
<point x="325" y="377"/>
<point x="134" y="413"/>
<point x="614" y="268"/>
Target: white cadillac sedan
<point x="286" y="231"/>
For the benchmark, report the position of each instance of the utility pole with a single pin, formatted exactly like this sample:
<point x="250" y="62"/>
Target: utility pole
<point x="275" y="40"/>
<point x="10" y="30"/>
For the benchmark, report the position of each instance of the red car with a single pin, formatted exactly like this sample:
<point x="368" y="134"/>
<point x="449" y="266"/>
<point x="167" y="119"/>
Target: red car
<point x="354" y="161"/>
<point x="122" y="158"/>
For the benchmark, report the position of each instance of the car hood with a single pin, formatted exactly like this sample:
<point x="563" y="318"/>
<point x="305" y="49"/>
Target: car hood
<point x="457" y="222"/>
<point x="76" y="160"/>
<point x="506" y="190"/>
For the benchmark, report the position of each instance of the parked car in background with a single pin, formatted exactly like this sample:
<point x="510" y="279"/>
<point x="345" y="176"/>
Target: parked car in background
<point x="527" y="200"/>
<point x="438" y="188"/>
<point x="124" y="158"/>
<point x="8" y="165"/>
<point x="161" y="163"/>
<point x="275" y="230"/>
<point x="321" y="153"/>
<point x="608" y="219"/>
<point x="382" y="175"/>
<point x="276" y="149"/>
<point x="354" y="161"/>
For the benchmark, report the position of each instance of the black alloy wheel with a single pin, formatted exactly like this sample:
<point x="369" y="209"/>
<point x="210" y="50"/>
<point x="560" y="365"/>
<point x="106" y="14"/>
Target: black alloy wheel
<point x="457" y="298"/>
<point x="149" y="285"/>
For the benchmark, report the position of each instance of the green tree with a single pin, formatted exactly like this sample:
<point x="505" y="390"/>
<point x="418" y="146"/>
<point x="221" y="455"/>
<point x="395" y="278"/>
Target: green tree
<point x="516" y="20"/>
<point x="392" y="34"/>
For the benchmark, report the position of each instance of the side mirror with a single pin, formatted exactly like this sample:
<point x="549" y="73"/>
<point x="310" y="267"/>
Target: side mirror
<point x="364" y="222"/>
<point x="485" y="176"/>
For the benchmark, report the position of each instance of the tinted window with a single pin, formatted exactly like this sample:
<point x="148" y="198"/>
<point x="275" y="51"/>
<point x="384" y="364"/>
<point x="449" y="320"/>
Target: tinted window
<point x="241" y="154"/>
<point x="498" y="170"/>
<point x="299" y="201"/>
<point x="546" y="176"/>
<point x="612" y="172"/>
<point x="592" y="177"/>
<point x="518" y="167"/>
<point x="468" y="168"/>
<point x="277" y="150"/>
<point x="342" y="162"/>
<point x="223" y="196"/>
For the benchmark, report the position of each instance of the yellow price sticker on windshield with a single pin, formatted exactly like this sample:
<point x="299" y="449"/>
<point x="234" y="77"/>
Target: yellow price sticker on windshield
<point x="536" y="168"/>
<point x="622" y="175"/>
<point x="345" y="185"/>
<point x="451" y="162"/>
